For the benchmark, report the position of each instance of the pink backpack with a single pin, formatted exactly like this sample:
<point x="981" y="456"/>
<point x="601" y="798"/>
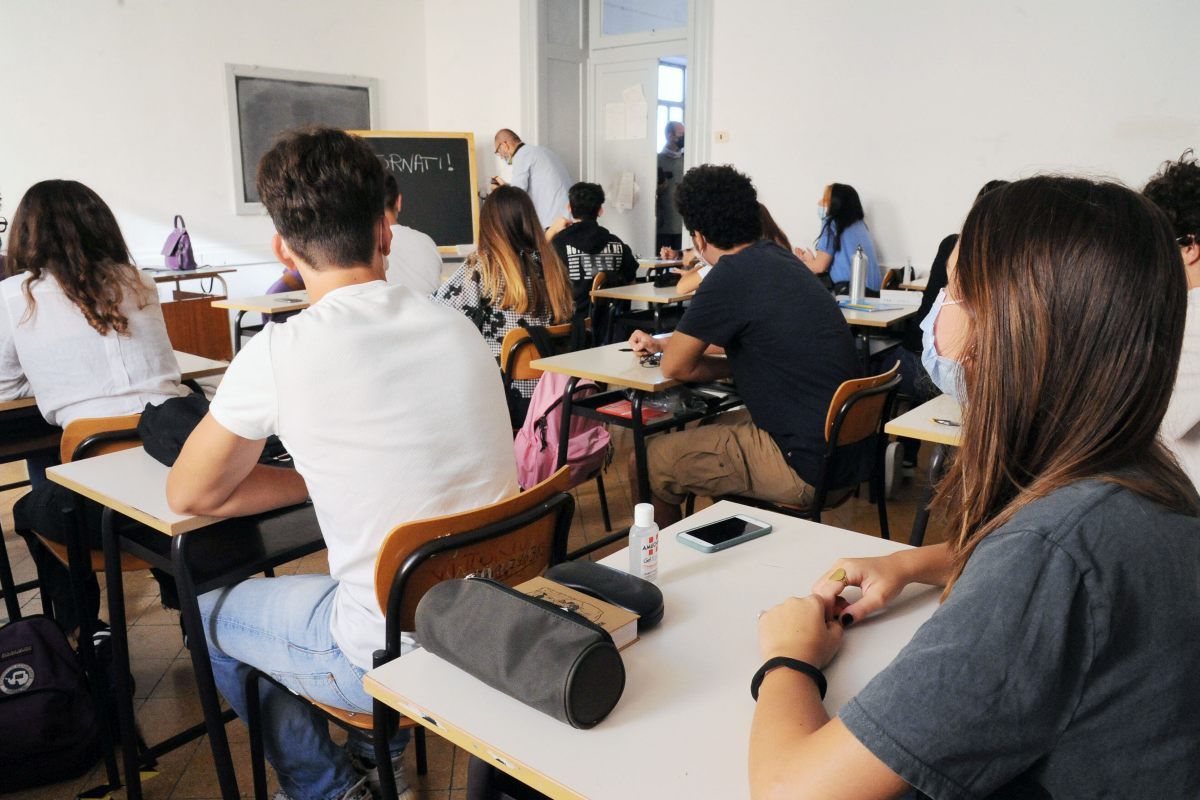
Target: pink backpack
<point x="537" y="442"/>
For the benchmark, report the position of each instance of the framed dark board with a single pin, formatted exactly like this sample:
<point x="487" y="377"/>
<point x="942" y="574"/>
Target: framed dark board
<point x="265" y="102"/>
<point x="436" y="175"/>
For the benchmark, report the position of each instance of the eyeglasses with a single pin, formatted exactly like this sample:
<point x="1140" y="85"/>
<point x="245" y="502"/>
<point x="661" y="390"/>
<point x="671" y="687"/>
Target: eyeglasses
<point x="651" y="360"/>
<point x="1187" y="240"/>
<point x="3" y="224"/>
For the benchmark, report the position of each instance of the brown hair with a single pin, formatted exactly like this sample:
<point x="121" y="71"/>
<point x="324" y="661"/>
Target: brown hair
<point x="518" y="269"/>
<point x="771" y="230"/>
<point x="63" y="229"/>
<point x="324" y="191"/>
<point x="1076" y="303"/>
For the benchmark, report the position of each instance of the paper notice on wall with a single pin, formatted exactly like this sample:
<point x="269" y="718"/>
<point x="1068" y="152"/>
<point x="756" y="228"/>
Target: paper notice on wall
<point x="635" y="120"/>
<point x="633" y="94"/>
<point x="625" y="187"/>
<point x="614" y="121"/>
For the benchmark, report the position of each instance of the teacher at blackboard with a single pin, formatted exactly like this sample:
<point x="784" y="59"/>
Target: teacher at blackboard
<point x="538" y="171"/>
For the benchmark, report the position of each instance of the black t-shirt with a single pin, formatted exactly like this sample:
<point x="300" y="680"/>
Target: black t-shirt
<point x="587" y="248"/>
<point x="789" y="347"/>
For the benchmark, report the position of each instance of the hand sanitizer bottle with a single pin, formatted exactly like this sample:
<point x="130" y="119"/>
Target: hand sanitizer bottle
<point x="643" y="543"/>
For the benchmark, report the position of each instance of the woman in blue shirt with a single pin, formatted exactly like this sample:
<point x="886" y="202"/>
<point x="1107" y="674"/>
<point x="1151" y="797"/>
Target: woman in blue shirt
<point x="843" y="230"/>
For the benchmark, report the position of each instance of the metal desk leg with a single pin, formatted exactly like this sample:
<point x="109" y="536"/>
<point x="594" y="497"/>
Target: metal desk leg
<point x="210" y="701"/>
<point x="937" y="464"/>
<point x="639" y="450"/>
<point x="237" y="332"/>
<point x="565" y="427"/>
<point x="657" y="317"/>
<point x="120" y="641"/>
<point x="7" y="584"/>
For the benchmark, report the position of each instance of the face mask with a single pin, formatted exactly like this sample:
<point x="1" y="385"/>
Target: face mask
<point x="680" y="145"/>
<point x="822" y="212"/>
<point x="946" y="373"/>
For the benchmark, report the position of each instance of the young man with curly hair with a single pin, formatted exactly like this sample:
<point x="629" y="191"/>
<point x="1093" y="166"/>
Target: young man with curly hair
<point x="784" y="342"/>
<point x="391" y="410"/>
<point x="1176" y="190"/>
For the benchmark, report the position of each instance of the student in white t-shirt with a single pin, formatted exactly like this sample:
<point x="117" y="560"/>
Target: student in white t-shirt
<point x="414" y="261"/>
<point x="391" y="409"/>
<point x="81" y="329"/>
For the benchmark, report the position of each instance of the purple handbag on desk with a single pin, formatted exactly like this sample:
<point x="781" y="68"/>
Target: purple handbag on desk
<point x="178" y="249"/>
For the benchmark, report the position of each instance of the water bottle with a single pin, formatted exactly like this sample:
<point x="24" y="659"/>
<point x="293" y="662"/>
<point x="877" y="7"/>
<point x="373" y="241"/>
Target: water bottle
<point x="858" y="276"/>
<point x="910" y="274"/>
<point x="643" y="543"/>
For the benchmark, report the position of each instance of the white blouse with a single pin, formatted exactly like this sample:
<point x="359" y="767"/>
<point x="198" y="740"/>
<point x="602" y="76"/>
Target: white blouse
<point x="73" y="371"/>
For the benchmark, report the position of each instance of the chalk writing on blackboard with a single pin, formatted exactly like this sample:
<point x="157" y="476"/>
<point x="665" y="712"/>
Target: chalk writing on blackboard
<point x="394" y="162"/>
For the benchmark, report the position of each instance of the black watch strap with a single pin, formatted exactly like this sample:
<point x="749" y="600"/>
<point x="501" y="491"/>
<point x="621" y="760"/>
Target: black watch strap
<point x="791" y="663"/>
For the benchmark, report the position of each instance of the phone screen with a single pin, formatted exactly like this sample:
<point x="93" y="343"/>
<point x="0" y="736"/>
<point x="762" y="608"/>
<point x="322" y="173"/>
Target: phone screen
<point x="718" y="533"/>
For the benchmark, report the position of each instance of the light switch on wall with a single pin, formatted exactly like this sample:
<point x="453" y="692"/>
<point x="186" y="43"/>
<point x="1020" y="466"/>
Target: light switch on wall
<point x="722" y="137"/>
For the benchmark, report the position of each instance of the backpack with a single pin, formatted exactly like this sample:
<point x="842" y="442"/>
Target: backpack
<point x="537" y="442"/>
<point x="178" y="247"/>
<point x="48" y="723"/>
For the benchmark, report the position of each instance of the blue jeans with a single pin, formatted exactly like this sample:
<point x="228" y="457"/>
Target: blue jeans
<point x="281" y="626"/>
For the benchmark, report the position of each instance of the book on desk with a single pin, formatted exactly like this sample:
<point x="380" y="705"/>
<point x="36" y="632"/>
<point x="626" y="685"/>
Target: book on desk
<point x="620" y="623"/>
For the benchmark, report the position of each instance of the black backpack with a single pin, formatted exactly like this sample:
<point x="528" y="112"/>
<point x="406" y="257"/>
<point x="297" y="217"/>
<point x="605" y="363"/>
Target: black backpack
<point x="48" y="723"/>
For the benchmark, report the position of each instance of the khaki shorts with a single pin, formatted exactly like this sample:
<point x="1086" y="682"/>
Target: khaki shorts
<point x="730" y="456"/>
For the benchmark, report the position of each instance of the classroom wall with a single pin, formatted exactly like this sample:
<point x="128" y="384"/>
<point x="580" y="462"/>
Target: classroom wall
<point x="919" y="104"/>
<point x="473" y="64"/>
<point x="129" y="97"/>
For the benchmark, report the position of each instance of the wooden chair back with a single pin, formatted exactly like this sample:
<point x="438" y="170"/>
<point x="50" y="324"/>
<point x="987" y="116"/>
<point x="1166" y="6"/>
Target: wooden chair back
<point x="509" y="541"/>
<point x="890" y="279"/>
<point x="517" y="351"/>
<point x="857" y="407"/>
<point x="95" y="436"/>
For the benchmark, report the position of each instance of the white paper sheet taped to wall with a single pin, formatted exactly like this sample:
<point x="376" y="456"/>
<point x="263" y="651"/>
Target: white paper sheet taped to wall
<point x="626" y="187"/>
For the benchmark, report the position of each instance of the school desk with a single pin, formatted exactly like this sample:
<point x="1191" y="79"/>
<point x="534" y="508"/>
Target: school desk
<point x="682" y="726"/>
<point x="192" y="324"/>
<point x="916" y="284"/>
<point x="655" y="296"/>
<point x="200" y="557"/>
<point x="278" y="303"/>
<point x="919" y="423"/>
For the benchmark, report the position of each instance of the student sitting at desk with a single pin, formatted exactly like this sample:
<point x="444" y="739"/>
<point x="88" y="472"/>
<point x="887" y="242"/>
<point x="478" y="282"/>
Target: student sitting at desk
<point x="1176" y="190"/>
<point x="788" y="349"/>
<point x="843" y="230"/>
<point x="81" y="330"/>
<point x="390" y="408"/>
<point x="515" y="278"/>
<point x="414" y="260"/>
<point x="1061" y="662"/>
<point x="587" y="248"/>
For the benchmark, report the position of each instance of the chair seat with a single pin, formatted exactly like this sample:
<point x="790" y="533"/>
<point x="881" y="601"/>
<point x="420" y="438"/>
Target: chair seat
<point x="357" y="719"/>
<point x="129" y="563"/>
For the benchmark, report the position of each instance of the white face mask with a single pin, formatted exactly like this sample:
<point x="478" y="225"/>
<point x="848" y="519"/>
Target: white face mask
<point x="946" y="373"/>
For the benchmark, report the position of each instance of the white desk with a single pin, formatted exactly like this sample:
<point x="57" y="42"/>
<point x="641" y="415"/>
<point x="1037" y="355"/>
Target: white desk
<point x="918" y="423"/>
<point x="644" y="293"/>
<point x="266" y="303"/>
<point x="876" y="319"/>
<point x="681" y="729"/>
<point x="916" y="284"/>
<point x="614" y="363"/>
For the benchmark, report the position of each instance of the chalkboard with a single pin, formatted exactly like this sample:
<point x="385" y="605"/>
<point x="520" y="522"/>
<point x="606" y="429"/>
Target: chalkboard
<point x="265" y="102"/>
<point x="436" y="176"/>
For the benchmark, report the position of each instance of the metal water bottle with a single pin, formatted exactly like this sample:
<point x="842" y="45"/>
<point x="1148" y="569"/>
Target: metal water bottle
<point x="858" y="276"/>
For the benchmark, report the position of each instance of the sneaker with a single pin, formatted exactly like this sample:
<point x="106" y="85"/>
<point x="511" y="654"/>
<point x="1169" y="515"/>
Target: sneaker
<point x="370" y="772"/>
<point x="358" y="791"/>
<point x="892" y="468"/>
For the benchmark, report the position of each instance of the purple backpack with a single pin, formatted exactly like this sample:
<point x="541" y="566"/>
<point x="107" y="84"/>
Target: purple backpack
<point x="178" y="249"/>
<point x="48" y="723"/>
<point x="536" y="445"/>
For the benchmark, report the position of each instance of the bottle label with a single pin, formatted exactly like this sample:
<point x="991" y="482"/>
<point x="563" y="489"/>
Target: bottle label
<point x="649" y="565"/>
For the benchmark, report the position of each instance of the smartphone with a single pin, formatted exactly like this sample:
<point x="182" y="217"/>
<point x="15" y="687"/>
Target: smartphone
<point x="723" y="534"/>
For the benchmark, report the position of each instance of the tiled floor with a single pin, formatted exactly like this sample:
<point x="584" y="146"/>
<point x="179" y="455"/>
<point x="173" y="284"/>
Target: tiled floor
<point x="166" y="693"/>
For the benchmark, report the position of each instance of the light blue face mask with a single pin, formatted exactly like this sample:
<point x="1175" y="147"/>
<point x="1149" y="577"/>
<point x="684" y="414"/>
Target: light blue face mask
<point x="822" y="213"/>
<point x="946" y="373"/>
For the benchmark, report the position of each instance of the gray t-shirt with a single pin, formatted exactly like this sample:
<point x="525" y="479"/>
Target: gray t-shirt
<point x="1066" y="655"/>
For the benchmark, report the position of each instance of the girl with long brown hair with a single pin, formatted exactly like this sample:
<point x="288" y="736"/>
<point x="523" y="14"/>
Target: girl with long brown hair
<point x="515" y="277"/>
<point x="1060" y="661"/>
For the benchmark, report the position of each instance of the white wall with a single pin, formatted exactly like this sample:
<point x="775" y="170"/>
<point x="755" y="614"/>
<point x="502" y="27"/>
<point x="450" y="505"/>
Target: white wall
<point x="473" y="63"/>
<point x="129" y="97"/>
<point x="919" y="104"/>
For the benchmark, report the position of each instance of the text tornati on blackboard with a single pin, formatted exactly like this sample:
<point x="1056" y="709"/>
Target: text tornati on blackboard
<point x="394" y="162"/>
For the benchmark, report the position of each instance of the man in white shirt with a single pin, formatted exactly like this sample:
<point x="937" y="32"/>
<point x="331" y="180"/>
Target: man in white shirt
<point x="414" y="261"/>
<point x="1176" y="190"/>
<point x="538" y="171"/>
<point x="390" y="408"/>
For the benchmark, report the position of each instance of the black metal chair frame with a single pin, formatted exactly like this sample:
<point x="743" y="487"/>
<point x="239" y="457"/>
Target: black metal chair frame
<point x="385" y="719"/>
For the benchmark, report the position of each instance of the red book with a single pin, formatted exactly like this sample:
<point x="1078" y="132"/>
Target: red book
<point x="624" y="409"/>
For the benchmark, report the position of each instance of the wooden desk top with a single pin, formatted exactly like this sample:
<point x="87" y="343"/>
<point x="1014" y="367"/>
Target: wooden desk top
<point x="643" y="292"/>
<point x="687" y="694"/>
<point x="916" y="285"/>
<point x="190" y="368"/>
<point x="172" y="275"/>
<point x="613" y="364"/>
<point x="918" y="423"/>
<point x="131" y="483"/>
<point x="876" y="319"/>
<point x="267" y="303"/>
<point x="660" y="263"/>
